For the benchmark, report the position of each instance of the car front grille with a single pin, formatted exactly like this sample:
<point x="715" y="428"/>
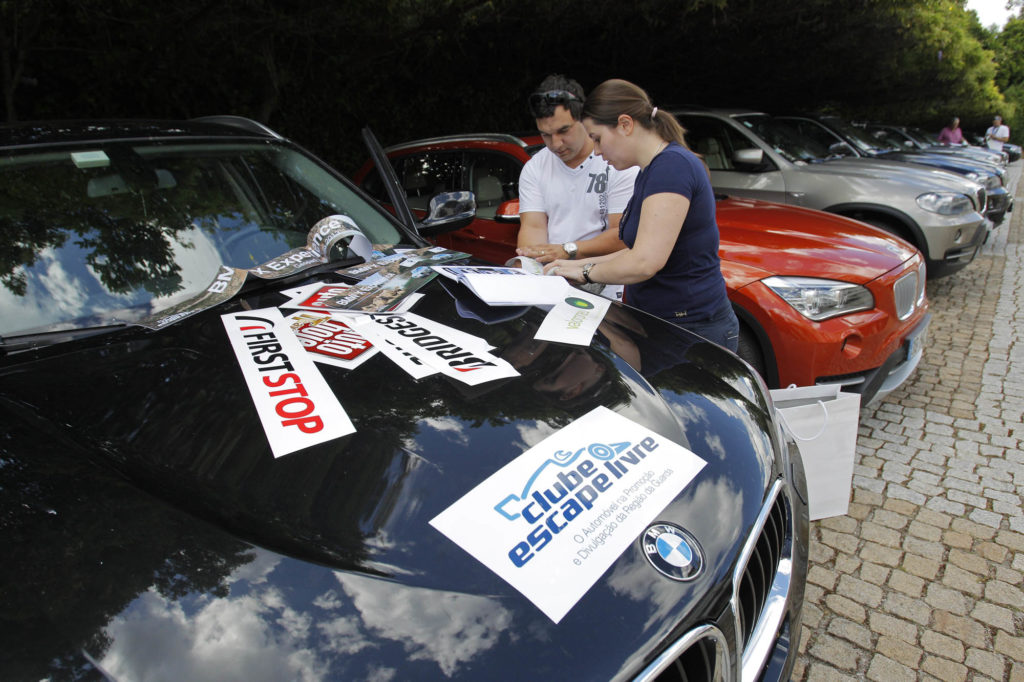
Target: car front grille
<point x="761" y="584"/>
<point x="997" y="202"/>
<point x="762" y="580"/>
<point x="980" y="200"/>
<point x="756" y="580"/>
<point x="701" y="655"/>
<point x="905" y="294"/>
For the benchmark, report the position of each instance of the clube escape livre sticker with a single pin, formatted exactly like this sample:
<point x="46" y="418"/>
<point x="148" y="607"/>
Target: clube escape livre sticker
<point x="553" y="520"/>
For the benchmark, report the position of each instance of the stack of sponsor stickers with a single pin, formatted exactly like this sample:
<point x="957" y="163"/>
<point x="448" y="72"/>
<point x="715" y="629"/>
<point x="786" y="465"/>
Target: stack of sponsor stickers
<point x="420" y="346"/>
<point x="344" y="325"/>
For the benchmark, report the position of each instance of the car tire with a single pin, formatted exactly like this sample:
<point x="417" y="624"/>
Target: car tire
<point x="749" y="349"/>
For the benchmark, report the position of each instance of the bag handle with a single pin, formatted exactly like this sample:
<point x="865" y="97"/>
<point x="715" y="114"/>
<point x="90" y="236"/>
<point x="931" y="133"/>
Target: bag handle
<point x="824" y="423"/>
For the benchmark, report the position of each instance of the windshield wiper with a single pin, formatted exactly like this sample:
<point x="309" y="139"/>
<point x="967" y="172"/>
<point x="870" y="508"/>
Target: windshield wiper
<point x="23" y="342"/>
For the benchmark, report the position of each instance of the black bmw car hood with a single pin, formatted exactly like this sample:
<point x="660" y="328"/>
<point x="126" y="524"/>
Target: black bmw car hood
<point x="151" y="532"/>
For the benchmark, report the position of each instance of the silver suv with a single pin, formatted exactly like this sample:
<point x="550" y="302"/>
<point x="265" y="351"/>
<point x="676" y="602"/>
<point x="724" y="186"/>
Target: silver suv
<point x="750" y="154"/>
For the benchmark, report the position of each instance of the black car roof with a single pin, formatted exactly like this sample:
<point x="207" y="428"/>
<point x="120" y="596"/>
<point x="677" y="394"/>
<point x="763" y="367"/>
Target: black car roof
<point x="44" y="133"/>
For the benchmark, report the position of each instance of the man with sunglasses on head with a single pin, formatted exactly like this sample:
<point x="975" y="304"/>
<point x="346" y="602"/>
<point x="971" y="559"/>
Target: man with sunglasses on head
<point x="997" y="134"/>
<point x="570" y="199"/>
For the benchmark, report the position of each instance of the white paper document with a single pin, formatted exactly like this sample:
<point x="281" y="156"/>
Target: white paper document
<point x="517" y="289"/>
<point x="574" y="318"/>
<point x="553" y="520"/>
<point x="505" y="286"/>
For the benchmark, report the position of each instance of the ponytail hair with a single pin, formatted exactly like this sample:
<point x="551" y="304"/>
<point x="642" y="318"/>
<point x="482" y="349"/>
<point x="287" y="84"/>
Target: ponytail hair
<point x="616" y="97"/>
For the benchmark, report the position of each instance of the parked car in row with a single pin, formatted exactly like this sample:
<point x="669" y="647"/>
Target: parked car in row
<point x="840" y="136"/>
<point x="1011" y="150"/>
<point x="820" y="298"/>
<point x="753" y="155"/>
<point x="915" y="138"/>
<point x="187" y="496"/>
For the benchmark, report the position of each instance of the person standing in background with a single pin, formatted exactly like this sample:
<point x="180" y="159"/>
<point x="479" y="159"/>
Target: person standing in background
<point x="952" y="134"/>
<point x="997" y="134"/>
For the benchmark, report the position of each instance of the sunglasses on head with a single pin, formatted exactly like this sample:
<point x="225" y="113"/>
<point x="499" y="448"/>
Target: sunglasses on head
<point x="552" y="97"/>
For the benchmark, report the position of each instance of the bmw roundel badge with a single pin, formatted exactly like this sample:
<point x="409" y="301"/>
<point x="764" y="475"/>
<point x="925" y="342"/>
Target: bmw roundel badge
<point x="672" y="551"/>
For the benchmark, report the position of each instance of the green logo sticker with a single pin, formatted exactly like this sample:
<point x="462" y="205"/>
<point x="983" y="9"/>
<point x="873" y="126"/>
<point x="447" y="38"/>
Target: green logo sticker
<point x="579" y="303"/>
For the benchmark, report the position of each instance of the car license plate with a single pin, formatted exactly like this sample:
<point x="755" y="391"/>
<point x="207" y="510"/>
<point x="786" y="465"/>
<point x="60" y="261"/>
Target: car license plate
<point x="916" y="342"/>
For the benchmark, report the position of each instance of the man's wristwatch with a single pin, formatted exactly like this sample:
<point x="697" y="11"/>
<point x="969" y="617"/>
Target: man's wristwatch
<point x="571" y="249"/>
<point x="586" y="273"/>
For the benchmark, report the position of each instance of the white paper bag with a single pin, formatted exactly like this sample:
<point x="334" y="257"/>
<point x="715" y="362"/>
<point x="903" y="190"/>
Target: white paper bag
<point x="823" y="421"/>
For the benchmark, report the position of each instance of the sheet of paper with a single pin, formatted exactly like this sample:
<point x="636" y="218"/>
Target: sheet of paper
<point x="574" y="318"/>
<point x="553" y="520"/>
<point x="496" y="289"/>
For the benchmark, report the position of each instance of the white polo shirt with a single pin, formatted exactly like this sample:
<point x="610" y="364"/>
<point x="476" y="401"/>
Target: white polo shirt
<point x="577" y="200"/>
<point x="1002" y="130"/>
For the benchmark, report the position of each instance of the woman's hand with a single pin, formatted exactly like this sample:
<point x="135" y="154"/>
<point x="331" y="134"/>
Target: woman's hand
<point x="570" y="269"/>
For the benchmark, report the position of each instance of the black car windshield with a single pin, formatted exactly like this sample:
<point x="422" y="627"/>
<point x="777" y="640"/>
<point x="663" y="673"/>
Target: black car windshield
<point x="860" y="138"/>
<point x="113" y="232"/>
<point x="784" y="140"/>
<point x="921" y="136"/>
<point x="891" y="138"/>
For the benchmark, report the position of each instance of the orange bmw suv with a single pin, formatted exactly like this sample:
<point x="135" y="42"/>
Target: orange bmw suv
<point x="821" y="298"/>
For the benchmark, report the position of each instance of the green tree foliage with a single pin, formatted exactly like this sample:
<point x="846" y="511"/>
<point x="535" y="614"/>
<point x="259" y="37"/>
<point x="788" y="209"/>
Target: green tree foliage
<point x="1008" y="45"/>
<point x="903" y="61"/>
<point x="319" y="71"/>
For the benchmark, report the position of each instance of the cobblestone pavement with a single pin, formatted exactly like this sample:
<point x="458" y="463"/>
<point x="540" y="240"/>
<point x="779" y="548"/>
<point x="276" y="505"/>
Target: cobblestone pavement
<point x="922" y="579"/>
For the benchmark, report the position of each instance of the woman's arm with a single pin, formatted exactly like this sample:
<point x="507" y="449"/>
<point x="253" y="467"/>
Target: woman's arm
<point x="661" y="219"/>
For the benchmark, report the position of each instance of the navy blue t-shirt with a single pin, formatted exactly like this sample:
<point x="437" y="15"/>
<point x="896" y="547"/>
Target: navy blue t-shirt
<point x="690" y="285"/>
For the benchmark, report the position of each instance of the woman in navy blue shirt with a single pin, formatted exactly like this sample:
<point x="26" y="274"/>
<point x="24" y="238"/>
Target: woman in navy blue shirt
<point x="671" y="267"/>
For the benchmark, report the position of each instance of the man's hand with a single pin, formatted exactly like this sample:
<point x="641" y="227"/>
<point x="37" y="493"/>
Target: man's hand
<point x="543" y="253"/>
